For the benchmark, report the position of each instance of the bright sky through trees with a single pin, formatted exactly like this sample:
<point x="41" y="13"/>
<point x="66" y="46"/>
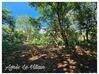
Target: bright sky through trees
<point x="21" y="8"/>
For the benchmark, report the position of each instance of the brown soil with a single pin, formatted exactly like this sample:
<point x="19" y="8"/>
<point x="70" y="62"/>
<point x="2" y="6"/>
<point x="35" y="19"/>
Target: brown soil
<point x="54" y="59"/>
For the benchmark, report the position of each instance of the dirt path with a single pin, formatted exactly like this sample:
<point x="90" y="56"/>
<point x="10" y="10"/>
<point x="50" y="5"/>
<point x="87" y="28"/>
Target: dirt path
<point x="51" y="59"/>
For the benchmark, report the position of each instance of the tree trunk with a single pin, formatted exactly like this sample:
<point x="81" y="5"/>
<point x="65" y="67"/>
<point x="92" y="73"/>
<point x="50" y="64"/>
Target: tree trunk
<point x="62" y="31"/>
<point x="87" y="35"/>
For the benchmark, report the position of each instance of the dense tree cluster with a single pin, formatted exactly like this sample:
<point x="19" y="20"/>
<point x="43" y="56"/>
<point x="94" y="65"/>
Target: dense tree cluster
<point x="61" y="25"/>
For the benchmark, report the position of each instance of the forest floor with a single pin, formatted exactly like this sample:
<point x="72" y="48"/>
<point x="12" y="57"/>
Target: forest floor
<point x="50" y="59"/>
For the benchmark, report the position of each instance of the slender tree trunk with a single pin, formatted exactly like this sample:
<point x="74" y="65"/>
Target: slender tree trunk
<point x="87" y="35"/>
<point x="62" y="31"/>
<point x="55" y="40"/>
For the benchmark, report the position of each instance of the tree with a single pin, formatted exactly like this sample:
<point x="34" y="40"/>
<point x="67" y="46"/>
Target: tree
<point x="56" y="14"/>
<point x="27" y="25"/>
<point x="86" y="16"/>
<point x="8" y="19"/>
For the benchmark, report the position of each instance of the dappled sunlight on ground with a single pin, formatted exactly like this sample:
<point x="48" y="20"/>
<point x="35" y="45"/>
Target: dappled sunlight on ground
<point x="54" y="59"/>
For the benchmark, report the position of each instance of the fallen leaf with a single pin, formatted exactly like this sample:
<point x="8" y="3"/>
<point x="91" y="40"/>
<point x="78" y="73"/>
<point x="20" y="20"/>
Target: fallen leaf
<point x="33" y="58"/>
<point x="64" y="65"/>
<point x="72" y="67"/>
<point x="71" y="71"/>
<point x="65" y="62"/>
<point x="64" y="69"/>
<point x="59" y="65"/>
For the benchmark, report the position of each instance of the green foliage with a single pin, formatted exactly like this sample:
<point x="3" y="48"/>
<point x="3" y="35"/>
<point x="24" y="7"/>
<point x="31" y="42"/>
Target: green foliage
<point x="8" y="19"/>
<point x="11" y="40"/>
<point x="42" y="41"/>
<point x="65" y="23"/>
<point x="86" y="16"/>
<point x="68" y="29"/>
